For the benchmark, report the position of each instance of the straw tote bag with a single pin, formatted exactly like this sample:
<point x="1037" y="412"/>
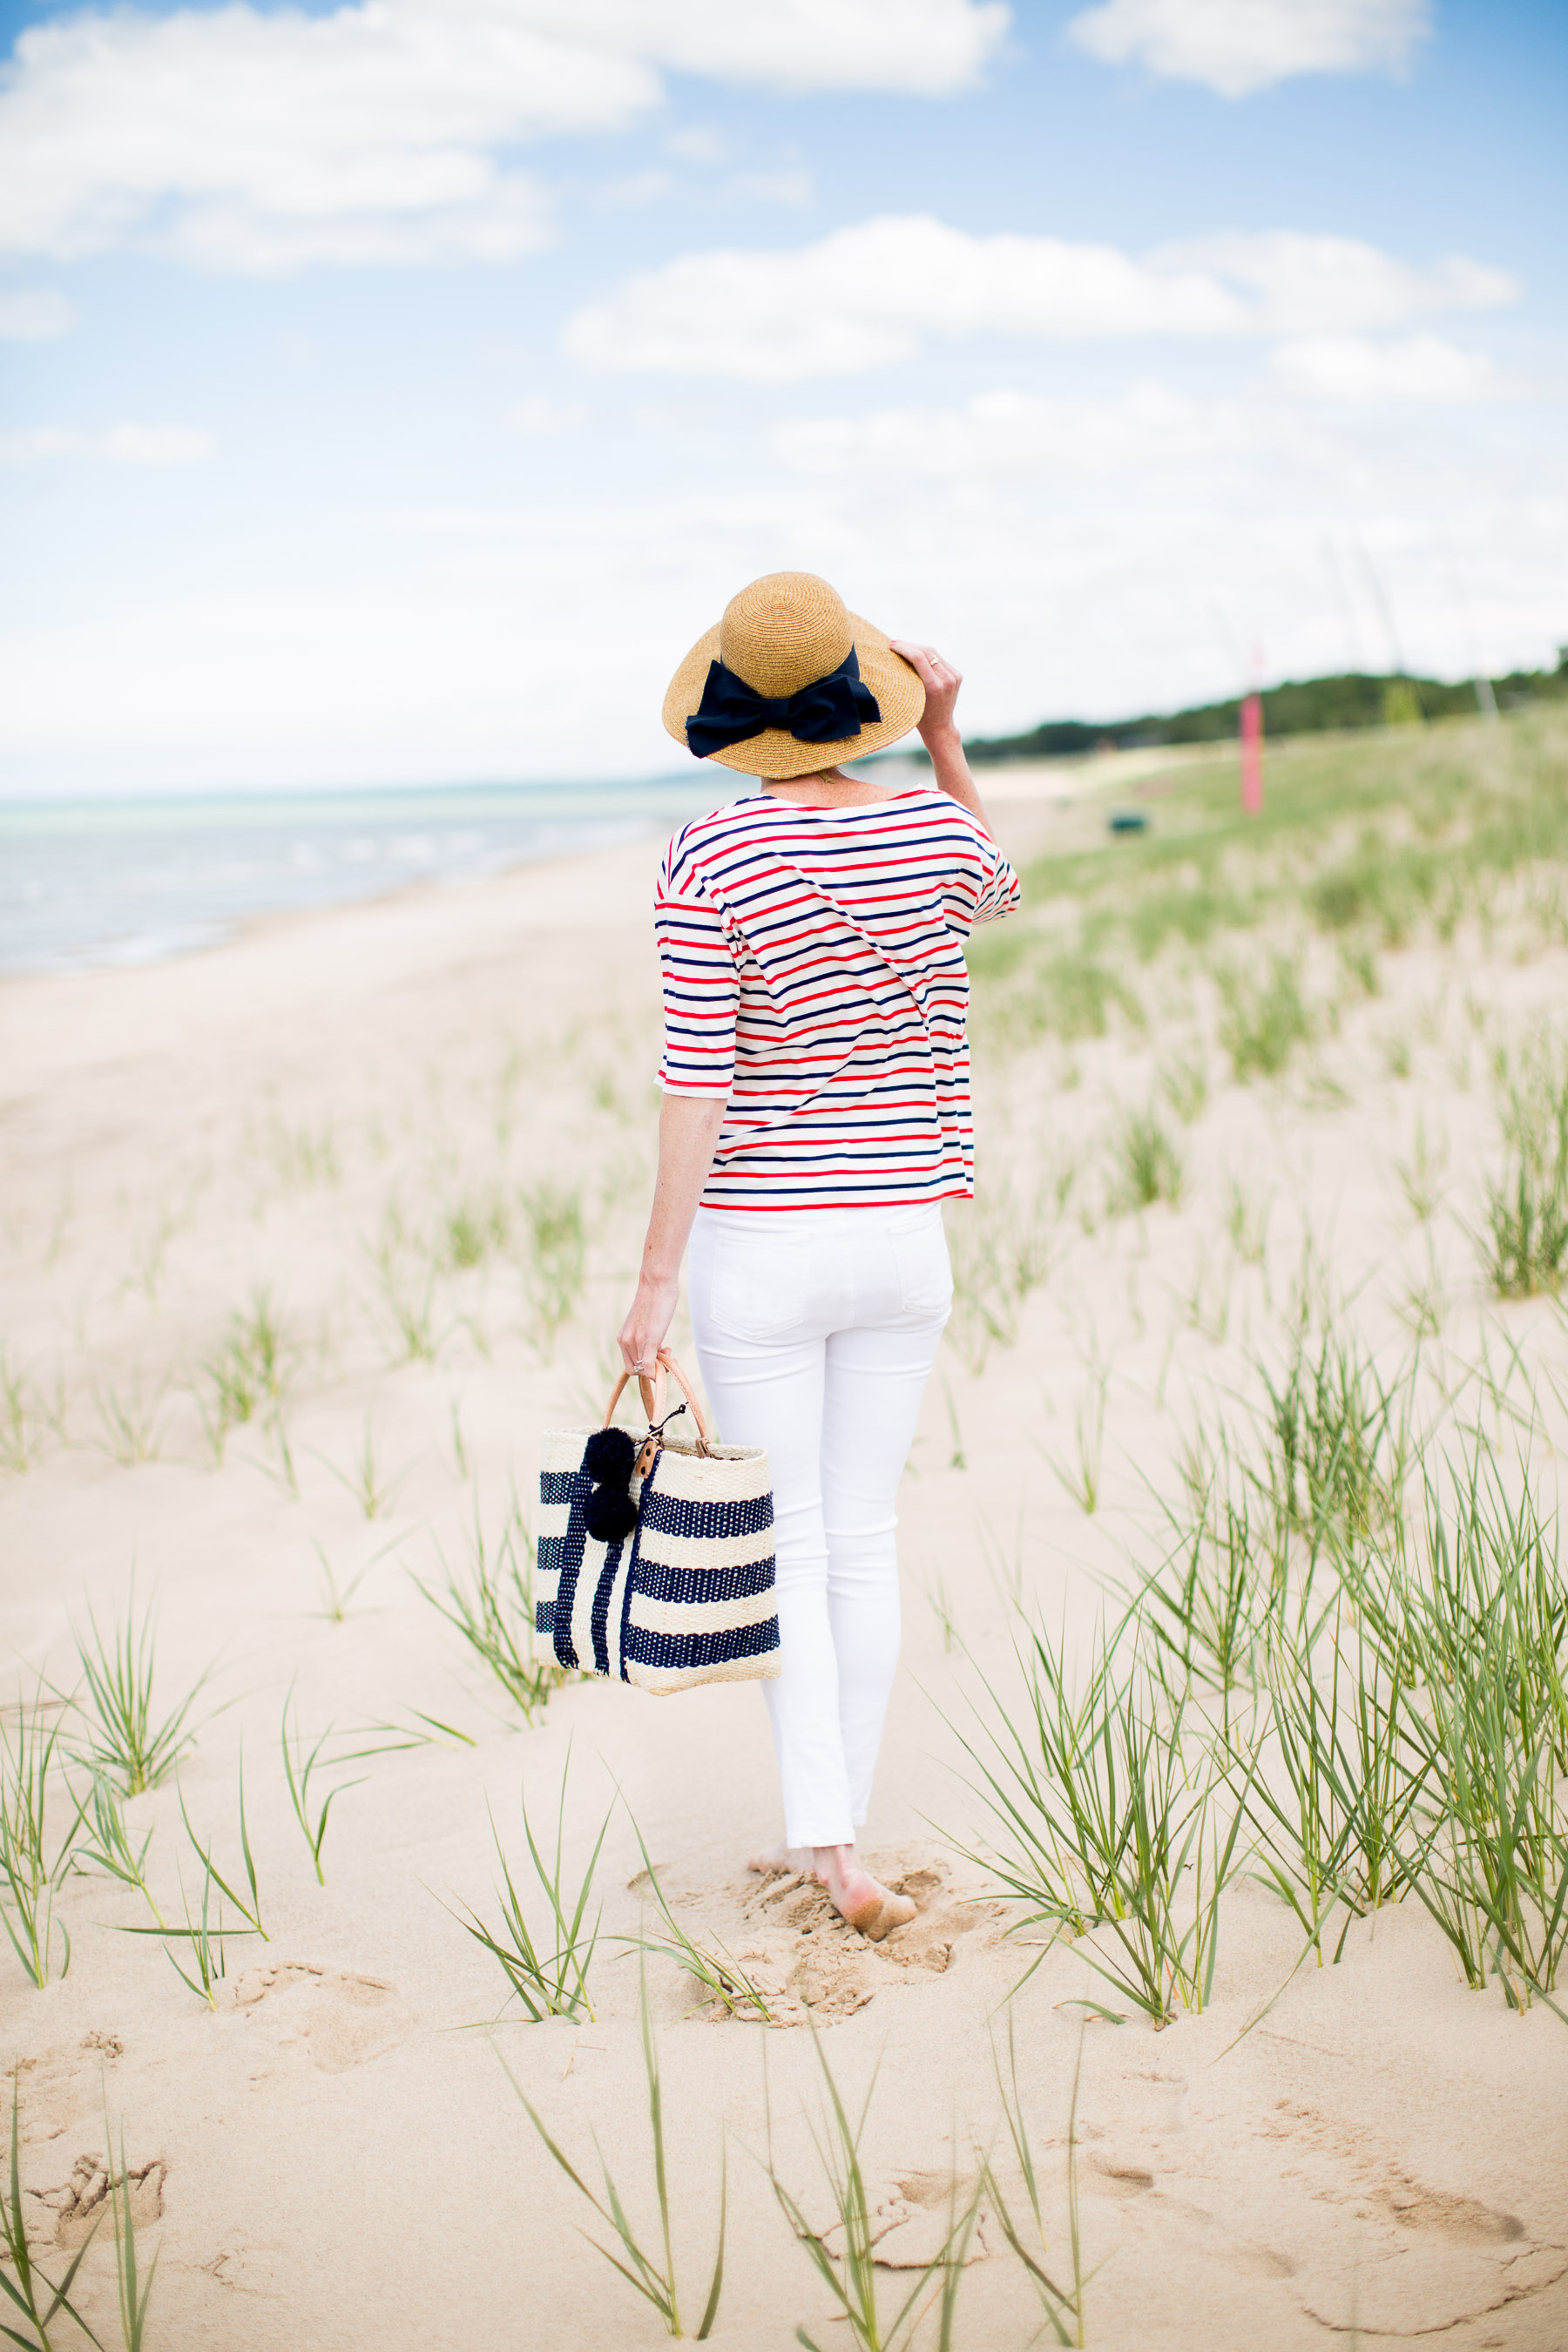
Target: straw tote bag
<point x="656" y="1559"/>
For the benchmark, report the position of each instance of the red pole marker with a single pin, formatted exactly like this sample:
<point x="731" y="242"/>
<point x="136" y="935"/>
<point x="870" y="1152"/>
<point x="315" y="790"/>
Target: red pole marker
<point x="1252" y="753"/>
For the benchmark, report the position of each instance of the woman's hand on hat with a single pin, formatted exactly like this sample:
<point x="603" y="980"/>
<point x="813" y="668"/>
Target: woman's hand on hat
<point x="940" y="681"/>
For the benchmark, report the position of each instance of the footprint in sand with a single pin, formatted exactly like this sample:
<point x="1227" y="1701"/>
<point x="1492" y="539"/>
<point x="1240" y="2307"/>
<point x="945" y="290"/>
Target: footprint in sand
<point x="337" y="2019"/>
<point x="910" y="2217"/>
<point x="1427" y="2259"/>
<point x="72" y="2213"/>
<point x="62" y="2085"/>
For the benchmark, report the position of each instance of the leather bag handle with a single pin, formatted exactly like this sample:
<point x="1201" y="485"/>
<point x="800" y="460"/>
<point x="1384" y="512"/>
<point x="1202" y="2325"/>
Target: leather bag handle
<point x="652" y="1386"/>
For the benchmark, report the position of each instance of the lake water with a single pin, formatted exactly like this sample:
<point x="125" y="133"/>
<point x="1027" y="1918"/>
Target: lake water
<point x="87" y="884"/>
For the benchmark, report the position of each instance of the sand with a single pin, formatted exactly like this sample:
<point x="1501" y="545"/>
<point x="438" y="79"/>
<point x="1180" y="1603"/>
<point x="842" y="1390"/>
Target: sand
<point x="332" y="2156"/>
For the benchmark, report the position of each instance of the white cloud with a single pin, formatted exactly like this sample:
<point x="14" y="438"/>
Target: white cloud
<point x="1350" y="367"/>
<point x="1011" y="432"/>
<point x="1298" y="285"/>
<point x="130" y="445"/>
<point x="1235" y="47"/>
<point x="31" y="315"/>
<point x="261" y="142"/>
<point x="1150" y="441"/>
<point x="866" y="296"/>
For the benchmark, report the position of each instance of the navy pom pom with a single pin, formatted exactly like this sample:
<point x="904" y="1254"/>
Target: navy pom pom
<point x="611" y="1513"/>
<point x="609" y="1456"/>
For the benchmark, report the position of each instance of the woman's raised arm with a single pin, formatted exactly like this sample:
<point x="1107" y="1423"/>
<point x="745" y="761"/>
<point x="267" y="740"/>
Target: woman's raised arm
<point x="938" y="727"/>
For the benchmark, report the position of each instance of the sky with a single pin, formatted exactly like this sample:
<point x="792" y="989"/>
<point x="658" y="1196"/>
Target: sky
<point x="392" y="393"/>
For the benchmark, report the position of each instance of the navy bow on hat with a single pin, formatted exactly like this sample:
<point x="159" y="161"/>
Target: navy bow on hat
<point x="828" y="711"/>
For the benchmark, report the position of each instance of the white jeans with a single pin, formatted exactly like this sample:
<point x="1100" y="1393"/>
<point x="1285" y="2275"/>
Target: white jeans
<point x="816" y="1331"/>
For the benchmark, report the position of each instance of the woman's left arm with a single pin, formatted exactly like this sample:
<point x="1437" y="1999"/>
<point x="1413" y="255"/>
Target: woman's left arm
<point x="689" y="1127"/>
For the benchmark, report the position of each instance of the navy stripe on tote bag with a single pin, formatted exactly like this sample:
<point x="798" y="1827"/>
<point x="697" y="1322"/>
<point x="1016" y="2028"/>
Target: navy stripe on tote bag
<point x="682" y="1592"/>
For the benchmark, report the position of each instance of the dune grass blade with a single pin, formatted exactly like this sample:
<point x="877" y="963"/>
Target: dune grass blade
<point x="722" y="1978"/>
<point x="202" y="1939"/>
<point x="1103" y="1824"/>
<point x="27" y="2291"/>
<point x="128" y="1420"/>
<point x="29" y="1875"/>
<point x="250" y="1911"/>
<point x="108" y="1848"/>
<point x="1488" y="1626"/>
<point x="492" y="1608"/>
<point x="372" y="1490"/>
<point x="1209" y="1604"/>
<point x="1338" y="1445"/>
<point x="1263" y="1021"/>
<point x="553" y="1982"/>
<point x="1081" y="1476"/>
<point x="299" y="1768"/>
<point x="851" y="2276"/>
<point x="556" y="1262"/>
<point x="135" y="2292"/>
<point x="650" y="2277"/>
<point x="1148" y="1161"/>
<point x="1002" y="1245"/>
<point x="336" y="1597"/>
<point x="1525" y="1246"/>
<point x="1061" y="2308"/>
<point x="1339" y="1831"/>
<point x="125" y="1738"/>
<point x="246" y="1373"/>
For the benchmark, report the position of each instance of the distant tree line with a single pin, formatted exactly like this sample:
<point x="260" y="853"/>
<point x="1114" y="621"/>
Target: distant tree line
<point x="1299" y="707"/>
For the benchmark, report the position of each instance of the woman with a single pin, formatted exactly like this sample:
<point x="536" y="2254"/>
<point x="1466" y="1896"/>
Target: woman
<point x="816" y="1115"/>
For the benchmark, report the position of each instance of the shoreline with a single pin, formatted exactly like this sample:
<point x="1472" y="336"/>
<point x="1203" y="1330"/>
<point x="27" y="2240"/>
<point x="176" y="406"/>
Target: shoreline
<point x="1020" y="784"/>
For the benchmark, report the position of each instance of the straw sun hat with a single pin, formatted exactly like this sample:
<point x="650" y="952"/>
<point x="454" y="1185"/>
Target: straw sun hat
<point x="787" y="662"/>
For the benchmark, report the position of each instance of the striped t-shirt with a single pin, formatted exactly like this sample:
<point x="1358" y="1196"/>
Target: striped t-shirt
<point x="813" y="979"/>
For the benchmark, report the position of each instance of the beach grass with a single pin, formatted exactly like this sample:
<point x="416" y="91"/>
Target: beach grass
<point x="548" y="1975"/>
<point x="32" y="2298"/>
<point x="848" y="2271"/>
<point x="248" y="1905"/>
<point x="365" y="1478"/>
<point x="128" y="1418"/>
<point x="34" y="1858"/>
<point x="488" y="1600"/>
<point x="1265" y="1019"/>
<point x="134" y="2283"/>
<point x="306" y="1769"/>
<point x="1079" y="1471"/>
<point x="725" y="1983"/>
<point x="125" y="1734"/>
<point x="104" y="1845"/>
<point x="21" y="1423"/>
<point x="1061" y="2304"/>
<point x="554" y="1242"/>
<point x="1524" y="1244"/>
<point x="1147" y="1161"/>
<point x="1105" y="1824"/>
<point x="646" y="2261"/>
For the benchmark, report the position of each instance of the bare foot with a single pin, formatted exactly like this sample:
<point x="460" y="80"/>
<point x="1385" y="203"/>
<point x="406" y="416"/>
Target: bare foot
<point x="859" y="1897"/>
<point x="781" y="1857"/>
